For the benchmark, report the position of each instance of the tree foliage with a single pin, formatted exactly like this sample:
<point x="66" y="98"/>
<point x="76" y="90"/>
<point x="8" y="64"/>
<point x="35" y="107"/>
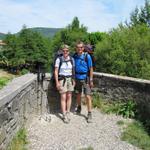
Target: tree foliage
<point x="24" y="49"/>
<point x="141" y="16"/>
<point x="70" y="35"/>
<point x="124" y="50"/>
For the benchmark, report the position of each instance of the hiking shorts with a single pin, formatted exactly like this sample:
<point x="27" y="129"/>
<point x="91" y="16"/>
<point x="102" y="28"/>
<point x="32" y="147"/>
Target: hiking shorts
<point x="82" y="85"/>
<point x="66" y="85"/>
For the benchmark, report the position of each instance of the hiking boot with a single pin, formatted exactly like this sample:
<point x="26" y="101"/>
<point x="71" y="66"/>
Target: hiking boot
<point x="89" y="118"/>
<point x="65" y="119"/>
<point x="78" y="110"/>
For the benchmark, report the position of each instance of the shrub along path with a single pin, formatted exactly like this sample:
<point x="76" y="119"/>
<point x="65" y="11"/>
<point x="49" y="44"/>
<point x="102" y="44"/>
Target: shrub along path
<point x="102" y="134"/>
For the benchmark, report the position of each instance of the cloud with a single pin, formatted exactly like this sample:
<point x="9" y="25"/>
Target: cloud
<point x="95" y="14"/>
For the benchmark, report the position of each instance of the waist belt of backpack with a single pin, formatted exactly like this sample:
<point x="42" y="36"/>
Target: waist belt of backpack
<point x="61" y="77"/>
<point x="80" y="72"/>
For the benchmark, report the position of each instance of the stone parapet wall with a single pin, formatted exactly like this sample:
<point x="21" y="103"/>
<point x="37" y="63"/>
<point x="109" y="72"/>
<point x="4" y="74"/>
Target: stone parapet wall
<point x="18" y="101"/>
<point x="24" y="96"/>
<point x="114" y="87"/>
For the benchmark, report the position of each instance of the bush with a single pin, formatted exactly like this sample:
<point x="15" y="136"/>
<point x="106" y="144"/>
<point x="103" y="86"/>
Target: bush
<point x="126" y="109"/>
<point x="3" y="81"/>
<point x="24" y="71"/>
<point x="136" y="135"/>
<point x="19" y="141"/>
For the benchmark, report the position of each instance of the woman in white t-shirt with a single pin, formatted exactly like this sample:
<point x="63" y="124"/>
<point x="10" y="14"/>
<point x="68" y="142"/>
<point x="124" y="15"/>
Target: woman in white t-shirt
<point x="64" y="77"/>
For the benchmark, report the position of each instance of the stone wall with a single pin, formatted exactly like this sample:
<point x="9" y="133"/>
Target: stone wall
<point x="24" y="96"/>
<point x="114" y="87"/>
<point x="18" y="101"/>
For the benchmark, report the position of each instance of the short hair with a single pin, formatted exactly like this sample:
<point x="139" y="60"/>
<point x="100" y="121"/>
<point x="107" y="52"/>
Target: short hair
<point x="79" y="42"/>
<point x="65" y="46"/>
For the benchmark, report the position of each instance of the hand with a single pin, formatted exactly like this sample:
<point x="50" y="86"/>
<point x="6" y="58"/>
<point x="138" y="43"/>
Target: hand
<point x="58" y="86"/>
<point x="74" y="83"/>
<point x="91" y="84"/>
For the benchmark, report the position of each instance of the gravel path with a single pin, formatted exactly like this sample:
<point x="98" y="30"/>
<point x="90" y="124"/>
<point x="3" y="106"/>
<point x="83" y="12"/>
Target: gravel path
<point x="102" y="134"/>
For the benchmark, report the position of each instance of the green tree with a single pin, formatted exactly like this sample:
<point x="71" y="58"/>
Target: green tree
<point x="141" y="16"/>
<point x="134" y="17"/>
<point x="70" y="35"/>
<point x="144" y="16"/>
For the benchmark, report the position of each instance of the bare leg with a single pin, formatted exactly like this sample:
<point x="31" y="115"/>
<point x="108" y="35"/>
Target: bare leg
<point x="69" y="100"/>
<point x="63" y="103"/>
<point x="78" y="99"/>
<point x="89" y="103"/>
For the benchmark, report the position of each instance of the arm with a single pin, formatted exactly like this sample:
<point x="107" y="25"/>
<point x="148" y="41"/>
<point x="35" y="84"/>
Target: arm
<point x="56" y="74"/>
<point x="73" y="71"/>
<point x="90" y="65"/>
<point x="91" y="77"/>
<point x="56" y="78"/>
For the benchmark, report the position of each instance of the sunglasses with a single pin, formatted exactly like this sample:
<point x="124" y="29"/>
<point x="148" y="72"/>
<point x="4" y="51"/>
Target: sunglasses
<point x="65" y="51"/>
<point x="80" y="47"/>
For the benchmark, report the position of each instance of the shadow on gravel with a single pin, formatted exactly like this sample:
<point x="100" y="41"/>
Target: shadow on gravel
<point x="54" y="105"/>
<point x="82" y="115"/>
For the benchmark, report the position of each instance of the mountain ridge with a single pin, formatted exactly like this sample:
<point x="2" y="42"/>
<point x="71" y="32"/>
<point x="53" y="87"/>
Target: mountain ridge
<point x="44" y="31"/>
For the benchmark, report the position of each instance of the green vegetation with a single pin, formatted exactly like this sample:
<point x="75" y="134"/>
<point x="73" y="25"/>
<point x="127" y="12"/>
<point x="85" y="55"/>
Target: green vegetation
<point x="19" y="141"/>
<point x="4" y="81"/>
<point x="124" y="50"/>
<point x="47" y="32"/>
<point x="126" y="109"/>
<point x="136" y="135"/>
<point x="120" y="122"/>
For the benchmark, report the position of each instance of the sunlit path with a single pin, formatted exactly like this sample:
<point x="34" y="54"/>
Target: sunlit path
<point x="102" y="134"/>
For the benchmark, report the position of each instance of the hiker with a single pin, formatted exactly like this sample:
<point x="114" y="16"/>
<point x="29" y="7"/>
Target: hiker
<point x="64" y="77"/>
<point x="84" y="79"/>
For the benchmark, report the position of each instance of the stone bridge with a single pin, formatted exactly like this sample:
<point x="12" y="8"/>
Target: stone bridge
<point x="24" y="98"/>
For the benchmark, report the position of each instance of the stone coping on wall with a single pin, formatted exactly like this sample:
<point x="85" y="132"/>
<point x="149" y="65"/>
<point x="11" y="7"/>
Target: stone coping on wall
<point x="122" y="77"/>
<point x="14" y="87"/>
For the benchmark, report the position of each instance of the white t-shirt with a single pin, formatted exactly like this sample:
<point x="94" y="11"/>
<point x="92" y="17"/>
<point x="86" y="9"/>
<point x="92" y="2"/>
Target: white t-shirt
<point x="66" y="67"/>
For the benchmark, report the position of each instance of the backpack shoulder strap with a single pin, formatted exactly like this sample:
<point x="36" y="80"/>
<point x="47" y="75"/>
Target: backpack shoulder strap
<point x="71" y="60"/>
<point x="86" y="54"/>
<point x="73" y="68"/>
<point x="61" y="61"/>
<point x="74" y="55"/>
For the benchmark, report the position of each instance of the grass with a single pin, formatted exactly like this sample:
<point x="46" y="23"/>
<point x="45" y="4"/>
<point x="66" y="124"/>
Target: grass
<point x="120" y="122"/>
<point x="4" y="81"/>
<point x="19" y="141"/>
<point x="136" y="135"/>
<point x="126" y="109"/>
<point x="5" y="77"/>
<point x="134" y="132"/>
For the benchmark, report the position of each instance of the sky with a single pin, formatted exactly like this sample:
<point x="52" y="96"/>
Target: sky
<point x="96" y="15"/>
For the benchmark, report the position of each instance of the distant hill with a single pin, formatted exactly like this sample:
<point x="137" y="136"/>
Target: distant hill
<point x="47" y="32"/>
<point x="2" y="36"/>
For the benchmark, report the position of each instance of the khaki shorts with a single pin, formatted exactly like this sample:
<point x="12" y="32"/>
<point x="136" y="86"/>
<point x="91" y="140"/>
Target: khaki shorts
<point x="66" y="86"/>
<point x="82" y="85"/>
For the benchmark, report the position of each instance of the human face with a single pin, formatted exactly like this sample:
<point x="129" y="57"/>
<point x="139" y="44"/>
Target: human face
<point x="65" y="52"/>
<point x="80" y="49"/>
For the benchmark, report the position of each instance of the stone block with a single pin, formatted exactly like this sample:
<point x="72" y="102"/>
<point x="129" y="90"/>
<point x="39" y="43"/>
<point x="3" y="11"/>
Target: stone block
<point x="4" y="115"/>
<point x="2" y="135"/>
